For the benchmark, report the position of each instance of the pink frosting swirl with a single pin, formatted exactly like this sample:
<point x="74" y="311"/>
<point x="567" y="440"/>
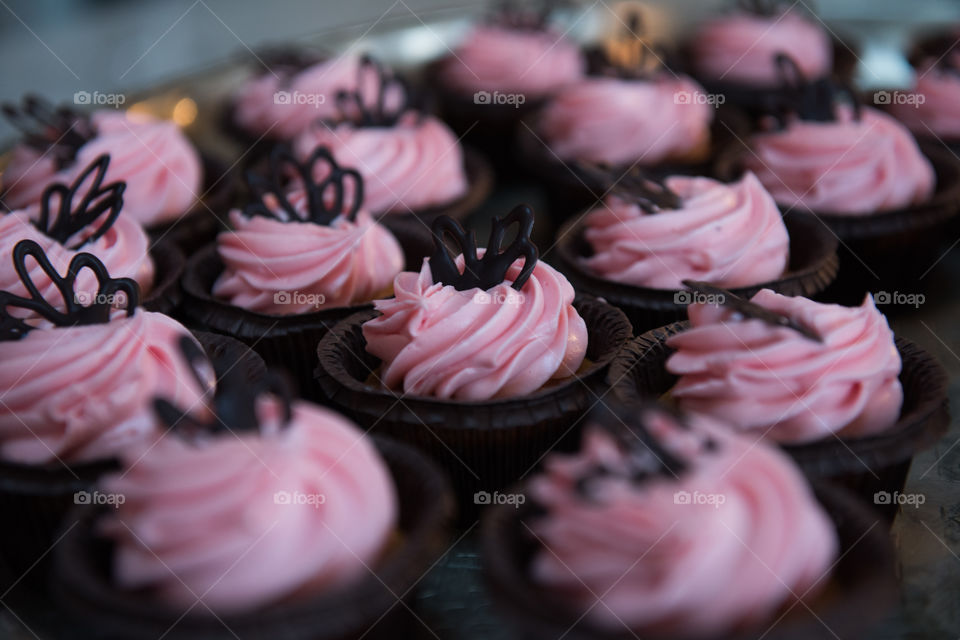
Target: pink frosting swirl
<point x="437" y="341"/>
<point x="847" y="166"/>
<point x="262" y="108"/>
<point x="741" y="48"/>
<point x="298" y="267"/>
<point x="660" y="564"/>
<point x="124" y="250"/>
<point x="77" y="394"/>
<point x="161" y="168"/>
<point x="415" y="164"/>
<point x="777" y="383"/>
<point x="930" y="109"/>
<point x="527" y="61"/>
<point x="729" y="234"/>
<point x="243" y="520"/>
<point x="618" y="121"/>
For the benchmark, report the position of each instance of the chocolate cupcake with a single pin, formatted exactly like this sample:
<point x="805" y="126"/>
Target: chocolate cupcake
<point x="77" y="388"/>
<point x="414" y="167"/>
<point x="309" y="528"/>
<point x="831" y="384"/>
<point x="302" y="256"/>
<point x="648" y="236"/>
<point x="485" y="361"/>
<point x="639" y="533"/>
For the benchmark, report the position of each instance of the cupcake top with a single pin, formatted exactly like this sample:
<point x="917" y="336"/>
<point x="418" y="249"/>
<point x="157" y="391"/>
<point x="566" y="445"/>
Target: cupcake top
<point x="658" y="235"/>
<point x="837" y="374"/>
<point x="645" y="526"/>
<point x="82" y="216"/>
<point x="161" y="168"/>
<point x="741" y="47"/>
<point x="308" y="244"/>
<point x="621" y="121"/>
<point x="286" y="502"/>
<point x="78" y="386"/>
<point x="484" y="325"/>
<point x="409" y="160"/>
<point x="514" y="52"/>
<point x="930" y="108"/>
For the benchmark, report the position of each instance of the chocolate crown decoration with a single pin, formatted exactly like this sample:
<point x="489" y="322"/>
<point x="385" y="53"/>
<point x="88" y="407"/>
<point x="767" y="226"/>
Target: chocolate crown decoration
<point x="99" y="207"/>
<point x="767" y="8"/>
<point x="751" y="310"/>
<point x="98" y="312"/>
<point x="627" y="54"/>
<point x="811" y="100"/>
<point x="234" y="400"/>
<point x="526" y="16"/>
<point x="58" y="131"/>
<point x="649" y="193"/>
<point x="375" y="110"/>
<point x="490" y="270"/>
<point x="339" y="192"/>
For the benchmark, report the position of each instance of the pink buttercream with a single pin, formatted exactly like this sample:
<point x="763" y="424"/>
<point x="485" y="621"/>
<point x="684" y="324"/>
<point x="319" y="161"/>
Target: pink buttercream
<point x="243" y="520"/>
<point x="161" y="168"/>
<point x="777" y="383"/>
<point x="930" y="109"/>
<point x="741" y="48"/>
<point x="474" y="345"/>
<point x="847" y="166"/>
<point x="618" y="121"/>
<point x="415" y="164"/>
<point x="728" y="234"/>
<point x="77" y="394"/>
<point x="526" y="61"/>
<point x="750" y="539"/>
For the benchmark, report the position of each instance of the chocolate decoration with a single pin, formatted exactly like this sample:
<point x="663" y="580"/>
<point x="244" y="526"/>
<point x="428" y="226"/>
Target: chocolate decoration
<point x="97" y="201"/>
<point x="765" y="8"/>
<point x="511" y="14"/>
<point x="326" y="199"/>
<point x="234" y="400"/>
<point x="98" y="312"/>
<point x="627" y="55"/>
<point x="810" y="100"/>
<point x="490" y="270"/>
<point x="650" y="194"/>
<point x="750" y="309"/>
<point x="353" y="106"/>
<point x="59" y="131"/>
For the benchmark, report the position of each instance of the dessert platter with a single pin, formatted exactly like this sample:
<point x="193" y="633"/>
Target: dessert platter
<point x="528" y="324"/>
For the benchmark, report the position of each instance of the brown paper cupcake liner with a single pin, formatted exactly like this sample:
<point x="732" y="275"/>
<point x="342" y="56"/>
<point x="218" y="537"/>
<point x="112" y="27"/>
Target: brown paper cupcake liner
<point x="813" y="265"/>
<point x="866" y="465"/>
<point x="483" y="446"/>
<point x="37" y="497"/>
<point x="83" y="583"/>
<point x="284" y="342"/>
<point x="168" y="263"/>
<point x="862" y="581"/>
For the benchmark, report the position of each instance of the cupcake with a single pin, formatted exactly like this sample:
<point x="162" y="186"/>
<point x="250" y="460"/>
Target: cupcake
<point x="88" y="215"/>
<point x="639" y="533"/>
<point x="485" y="361"/>
<point x="647" y="237"/>
<point x="302" y="255"/>
<point x="831" y="384"/>
<point x="77" y="385"/>
<point x="861" y="173"/>
<point x="412" y="164"/>
<point x="928" y="108"/>
<point x="268" y="517"/>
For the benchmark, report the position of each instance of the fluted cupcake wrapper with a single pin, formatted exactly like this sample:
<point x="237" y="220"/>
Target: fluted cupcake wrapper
<point x="862" y="580"/>
<point x="168" y="264"/>
<point x="813" y="266"/>
<point x="483" y="446"/>
<point x="284" y="342"/>
<point x="83" y="586"/>
<point x="34" y="499"/>
<point x="866" y="465"/>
